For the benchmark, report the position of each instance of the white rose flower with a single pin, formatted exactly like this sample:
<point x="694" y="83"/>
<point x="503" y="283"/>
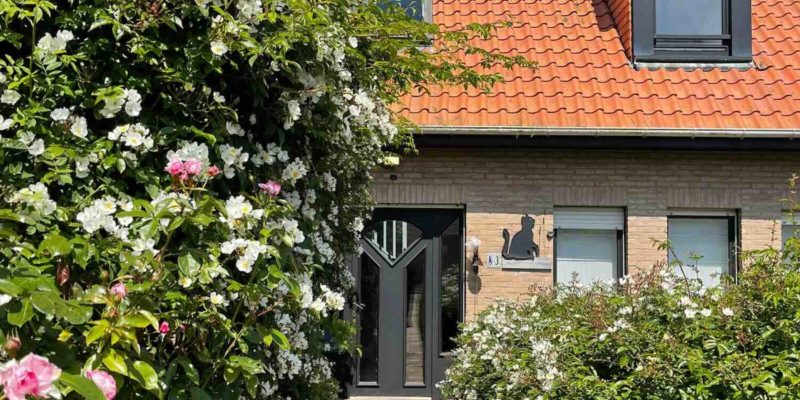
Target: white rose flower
<point x="4" y="299"/>
<point x="216" y="298"/>
<point x="36" y="148"/>
<point x="218" y="97"/>
<point x="6" y="123"/>
<point x="10" y="97"/>
<point x="79" y="128"/>
<point x="727" y="312"/>
<point x="218" y="48"/>
<point x="294" y="171"/>
<point x="353" y="41"/>
<point x="234" y="129"/>
<point x="59" y="114"/>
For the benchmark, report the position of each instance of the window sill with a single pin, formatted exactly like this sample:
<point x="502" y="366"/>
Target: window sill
<point x="690" y="65"/>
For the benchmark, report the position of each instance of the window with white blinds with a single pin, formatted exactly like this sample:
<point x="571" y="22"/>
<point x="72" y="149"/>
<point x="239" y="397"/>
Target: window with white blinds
<point x="589" y="244"/>
<point x="703" y="245"/>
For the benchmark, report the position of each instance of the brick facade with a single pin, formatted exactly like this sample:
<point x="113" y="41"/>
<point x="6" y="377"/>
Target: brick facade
<point x="497" y="186"/>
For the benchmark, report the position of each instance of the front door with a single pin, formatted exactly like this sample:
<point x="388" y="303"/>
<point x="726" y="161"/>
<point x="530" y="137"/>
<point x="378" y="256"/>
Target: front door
<point x="410" y="292"/>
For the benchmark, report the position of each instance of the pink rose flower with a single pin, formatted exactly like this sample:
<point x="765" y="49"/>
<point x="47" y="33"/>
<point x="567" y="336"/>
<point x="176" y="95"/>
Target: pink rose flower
<point x="193" y="166"/>
<point x="213" y="171"/>
<point x="32" y="376"/>
<point x="119" y="290"/>
<point x="174" y="168"/>
<point x="164" y="327"/>
<point x="271" y="188"/>
<point x="105" y="382"/>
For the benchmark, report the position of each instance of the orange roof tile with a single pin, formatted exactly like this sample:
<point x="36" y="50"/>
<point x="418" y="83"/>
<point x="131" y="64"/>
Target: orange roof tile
<point x="585" y="78"/>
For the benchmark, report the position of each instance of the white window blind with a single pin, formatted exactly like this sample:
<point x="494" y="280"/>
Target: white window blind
<point x="705" y="237"/>
<point x="587" y="255"/>
<point x="589" y="218"/>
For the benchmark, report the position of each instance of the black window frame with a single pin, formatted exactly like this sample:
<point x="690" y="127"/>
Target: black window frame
<point x="733" y="46"/>
<point x="734" y="236"/>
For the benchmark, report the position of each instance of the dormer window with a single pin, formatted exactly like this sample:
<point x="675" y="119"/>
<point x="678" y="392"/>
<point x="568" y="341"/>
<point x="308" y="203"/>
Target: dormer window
<point x="703" y="31"/>
<point x="417" y="9"/>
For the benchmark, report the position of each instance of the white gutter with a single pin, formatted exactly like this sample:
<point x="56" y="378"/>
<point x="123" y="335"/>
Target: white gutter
<point x="531" y="131"/>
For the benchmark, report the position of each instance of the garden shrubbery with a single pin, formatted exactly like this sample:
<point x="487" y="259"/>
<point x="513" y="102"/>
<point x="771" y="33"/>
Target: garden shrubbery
<point x="180" y="181"/>
<point x="652" y="336"/>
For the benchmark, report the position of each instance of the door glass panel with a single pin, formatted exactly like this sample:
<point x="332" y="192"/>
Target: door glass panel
<point x="452" y="256"/>
<point x="689" y="17"/>
<point x="370" y="279"/>
<point x="704" y="238"/>
<point x="393" y="238"/>
<point x="415" y="321"/>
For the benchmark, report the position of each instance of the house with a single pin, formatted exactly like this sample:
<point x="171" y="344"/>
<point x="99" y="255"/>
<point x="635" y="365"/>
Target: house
<point x="646" y="120"/>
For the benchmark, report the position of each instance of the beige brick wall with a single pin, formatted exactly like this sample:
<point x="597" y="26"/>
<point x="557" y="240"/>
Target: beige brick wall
<point x="497" y="186"/>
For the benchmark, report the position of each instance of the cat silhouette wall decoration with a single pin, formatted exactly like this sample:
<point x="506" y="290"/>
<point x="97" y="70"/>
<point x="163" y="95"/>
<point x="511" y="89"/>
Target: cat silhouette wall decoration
<point x="521" y="246"/>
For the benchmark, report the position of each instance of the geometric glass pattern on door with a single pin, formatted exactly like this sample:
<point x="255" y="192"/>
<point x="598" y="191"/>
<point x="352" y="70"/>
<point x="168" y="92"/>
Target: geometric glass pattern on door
<point x="393" y="238"/>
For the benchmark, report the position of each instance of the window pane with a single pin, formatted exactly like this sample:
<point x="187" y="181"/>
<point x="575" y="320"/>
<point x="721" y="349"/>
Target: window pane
<point x="415" y="320"/>
<point x="413" y="8"/>
<point x="591" y="254"/>
<point x="689" y="17"/>
<point x="787" y="231"/>
<point x="393" y="238"/>
<point x="703" y="237"/>
<point x="452" y="256"/>
<point x="370" y="279"/>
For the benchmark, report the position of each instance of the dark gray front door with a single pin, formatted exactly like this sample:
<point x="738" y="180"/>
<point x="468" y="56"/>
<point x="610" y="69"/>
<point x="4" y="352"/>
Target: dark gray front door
<point x="409" y="286"/>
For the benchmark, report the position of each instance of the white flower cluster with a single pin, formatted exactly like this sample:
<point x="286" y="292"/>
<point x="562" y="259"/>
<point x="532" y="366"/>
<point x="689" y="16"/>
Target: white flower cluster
<point x="294" y="171"/>
<point x="51" y="44"/>
<point x="190" y="150"/>
<point x="247" y="251"/>
<point x="35" y="146"/>
<point x="238" y="210"/>
<point x="100" y="215"/>
<point x="36" y="197"/>
<point x="135" y="136"/>
<point x="270" y="155"/>
<point x="129" y="98"/>
<point x="233" y="158"/>
<point x="328" y="300"/>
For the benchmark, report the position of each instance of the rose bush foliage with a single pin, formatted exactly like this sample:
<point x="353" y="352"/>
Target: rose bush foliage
<point x="180" y="181"/>
<point x="653" y="336"/>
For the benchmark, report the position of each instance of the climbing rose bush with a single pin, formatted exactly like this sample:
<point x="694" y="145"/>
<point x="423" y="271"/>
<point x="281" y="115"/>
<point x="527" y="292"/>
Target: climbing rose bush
<point x="657" y="335"/>
<point x="181" y="181"/>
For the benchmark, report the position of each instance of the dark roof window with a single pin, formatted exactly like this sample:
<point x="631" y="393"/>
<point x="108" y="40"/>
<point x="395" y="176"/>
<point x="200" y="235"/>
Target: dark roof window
<point x="692" y="30"/>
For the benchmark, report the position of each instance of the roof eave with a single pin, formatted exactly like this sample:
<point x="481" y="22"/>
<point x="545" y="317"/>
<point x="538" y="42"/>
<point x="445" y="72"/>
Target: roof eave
<point x="532" y="131"/>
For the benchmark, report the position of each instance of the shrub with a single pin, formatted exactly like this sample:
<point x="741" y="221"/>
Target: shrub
<point x="179" y="182"/>
<point x="653" y="336"/>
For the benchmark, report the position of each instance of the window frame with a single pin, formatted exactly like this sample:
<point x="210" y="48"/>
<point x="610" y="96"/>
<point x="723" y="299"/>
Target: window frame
<point x="734" y="233"/>
<point x="737" y="36"/>
<point x="622" y="242"/>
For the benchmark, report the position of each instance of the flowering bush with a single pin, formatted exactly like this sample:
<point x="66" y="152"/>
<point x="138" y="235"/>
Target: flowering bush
<point x="653" y="336"/>
<point x="180" y="181"/>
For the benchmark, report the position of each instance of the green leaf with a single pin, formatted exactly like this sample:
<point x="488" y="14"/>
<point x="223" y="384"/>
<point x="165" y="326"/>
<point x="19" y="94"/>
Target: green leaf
<point x="207" y="136"/>
<point x="146" y="375"/>
<point x="55" y="244"/>
<point x="115" y="362"/>
<point x="22" y="315"/>
<point x="50" y="303"/>
<point x="199" y="394"/>
<point x="98" y="331"/>
<point x="191" y="371"/>
<point x="9" y="287"/>
<point x="280" y="339"/>
<point x="83" y="386"/>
